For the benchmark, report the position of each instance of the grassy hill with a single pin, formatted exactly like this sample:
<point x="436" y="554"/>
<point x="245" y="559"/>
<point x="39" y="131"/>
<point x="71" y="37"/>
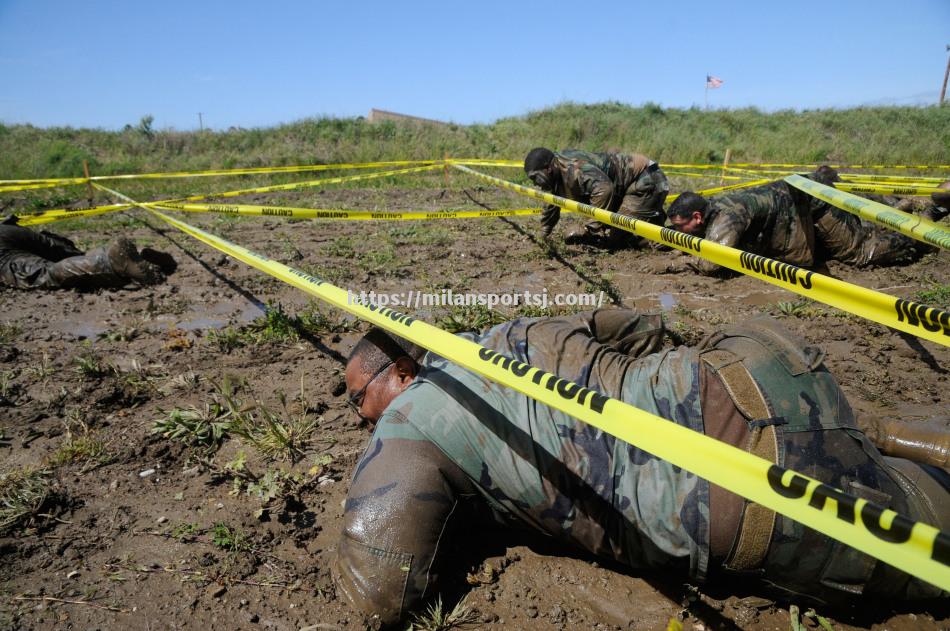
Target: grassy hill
<point x="881" y="134"/>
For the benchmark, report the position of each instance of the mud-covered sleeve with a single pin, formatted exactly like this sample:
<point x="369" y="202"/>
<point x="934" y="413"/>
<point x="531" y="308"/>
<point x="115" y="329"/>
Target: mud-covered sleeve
<point x="403" y="494"/>
<point x="726" y="228"/>
<point x="597" y="185"/>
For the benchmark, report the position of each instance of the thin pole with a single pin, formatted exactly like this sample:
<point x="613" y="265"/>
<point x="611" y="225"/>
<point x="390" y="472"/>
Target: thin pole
<point x="725" y="165"/>
<point x="943" y="90"/>
<point x="201" y="125"/>
<point x="706" y="93"/>
<point x="92" y="191"/>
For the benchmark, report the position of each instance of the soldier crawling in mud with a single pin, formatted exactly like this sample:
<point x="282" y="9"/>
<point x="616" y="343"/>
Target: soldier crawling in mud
<point x="779" y="221"/>
<point x="447" y="441"/>
<point x="845" y="237"/>
<point x="773" y="220"/>
<point x="43" y="260"/>
<point x="629" y="184"/>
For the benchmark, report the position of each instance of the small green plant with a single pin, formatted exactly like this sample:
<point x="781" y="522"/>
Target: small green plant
<point x="230" y="539"/>
<point x="226" y="339"/>
<point x="23" y="494"/>
<point x="207" y="427"/>
<point x="938" y="295"/>
<point x="316" y="322"/>
<point x="474" y="318"/>
<point x="274" y="326"/>
<point x="185" y="531"/>
<point x="43" y="370"/>
<point x="801" y="308"/>
<point x="341" y="247"/>
<point x="8" y="388"/>
<point x="435" y="618"/>
<point x="89" y="364"/>
<point x="9" y="332"/>
<point x="90" y="451"/>
<point x="279" y="436"/>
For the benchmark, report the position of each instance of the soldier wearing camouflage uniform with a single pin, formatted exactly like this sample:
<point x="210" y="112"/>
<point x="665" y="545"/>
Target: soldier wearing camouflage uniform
<point x="773" y="220"/>
<point x="43" y="260"/>
<point x="629" y="184"/>
<point x="845" y="237"/>
<point x="446" y="438"/>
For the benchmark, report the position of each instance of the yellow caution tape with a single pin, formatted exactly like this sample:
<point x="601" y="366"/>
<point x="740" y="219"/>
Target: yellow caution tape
<point x="764" y="165"/>
<point x="308" y="184"/>
<point x="907" y="224"/>
<point x="261" y="170"/>
<point x="313" y="213"/>
<point x="877" y="177"/>
<point x="66" y="213"/>
<point x="920" y="320"/>
<point x="914" y="547"/>
<point x="885" y="188"/>
<point x="37" y="185"/>
<point x="721" y="189"/>
<point x="706" y="175"/>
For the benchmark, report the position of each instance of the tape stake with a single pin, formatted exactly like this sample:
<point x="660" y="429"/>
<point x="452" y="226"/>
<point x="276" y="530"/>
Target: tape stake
<point x="913" y="226"/>
<point x="930" y="323"/>
<point x="914" y="547"/>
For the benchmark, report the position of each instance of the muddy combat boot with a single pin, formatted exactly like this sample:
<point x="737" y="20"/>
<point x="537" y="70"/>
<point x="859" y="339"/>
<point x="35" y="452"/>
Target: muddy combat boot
<point x="941" y="207"/>
<point x="165" y="262"/>
<point x="128" y="263"/>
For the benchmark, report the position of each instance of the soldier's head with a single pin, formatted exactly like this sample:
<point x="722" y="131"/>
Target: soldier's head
<point x="688" y="213"/>
<point x="825" y="175"/>
<point x="378" y="369"/>
<point x="942" y="197"/>
<point x="537" y="164"/>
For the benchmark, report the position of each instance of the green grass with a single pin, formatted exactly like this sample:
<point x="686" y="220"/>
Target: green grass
<point x="902" y="135"/>
<point x="938" y="295"/>
<point x="230" y="539"/>
<point x="23" y="494"/>
<point x="9" y="331"/>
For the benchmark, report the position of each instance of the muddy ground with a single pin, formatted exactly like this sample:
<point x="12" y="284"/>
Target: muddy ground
<point x="141" y="531"/>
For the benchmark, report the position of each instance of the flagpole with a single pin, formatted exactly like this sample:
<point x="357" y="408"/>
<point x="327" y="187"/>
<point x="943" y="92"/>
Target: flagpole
<point x="706" y="93"/>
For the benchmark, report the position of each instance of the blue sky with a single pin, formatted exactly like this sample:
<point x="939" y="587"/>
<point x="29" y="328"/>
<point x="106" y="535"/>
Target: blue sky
<point x="256" y="64"/>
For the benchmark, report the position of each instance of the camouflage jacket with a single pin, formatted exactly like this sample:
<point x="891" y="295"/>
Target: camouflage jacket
<point x="769" y="220"/>
<point x="598" y="179"/>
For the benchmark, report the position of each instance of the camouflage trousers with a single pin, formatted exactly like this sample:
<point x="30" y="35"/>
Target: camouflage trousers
<point x="25" y="270"/>
<point x="855" y="241"/>
<point x="816" y="435"/>
<point x="643" y="200"/>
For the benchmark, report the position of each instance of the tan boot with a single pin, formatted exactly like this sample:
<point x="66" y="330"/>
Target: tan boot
<point x="926" y="442"/>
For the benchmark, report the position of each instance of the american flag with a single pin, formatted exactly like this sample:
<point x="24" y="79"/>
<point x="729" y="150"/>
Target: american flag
<point x="713" y="82"/>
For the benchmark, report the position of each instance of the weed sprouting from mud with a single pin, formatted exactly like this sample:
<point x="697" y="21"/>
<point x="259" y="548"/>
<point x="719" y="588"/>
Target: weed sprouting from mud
<point x="230" y="539"/>
<point x="276" y="325"/>
<point x="475" y="318"/>
<point x="205" y="427"/>
<point x="801" y="308"/>
<point x="89" y="364"/>
<point x="283" y="435"/>
<point x="436" y="618"/>
<point x="938" y="295"/>
<point x="9" y="332"/>
<point x="23" y="494"/>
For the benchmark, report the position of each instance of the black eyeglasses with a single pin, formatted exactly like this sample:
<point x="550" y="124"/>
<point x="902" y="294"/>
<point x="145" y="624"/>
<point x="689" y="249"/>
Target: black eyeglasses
<point x="355" y="400"/>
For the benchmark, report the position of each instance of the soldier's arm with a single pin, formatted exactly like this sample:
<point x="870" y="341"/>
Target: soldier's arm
<point x="726" y="228"/>
<point x="403" y="494"/>
<point x="599" y="187"/>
